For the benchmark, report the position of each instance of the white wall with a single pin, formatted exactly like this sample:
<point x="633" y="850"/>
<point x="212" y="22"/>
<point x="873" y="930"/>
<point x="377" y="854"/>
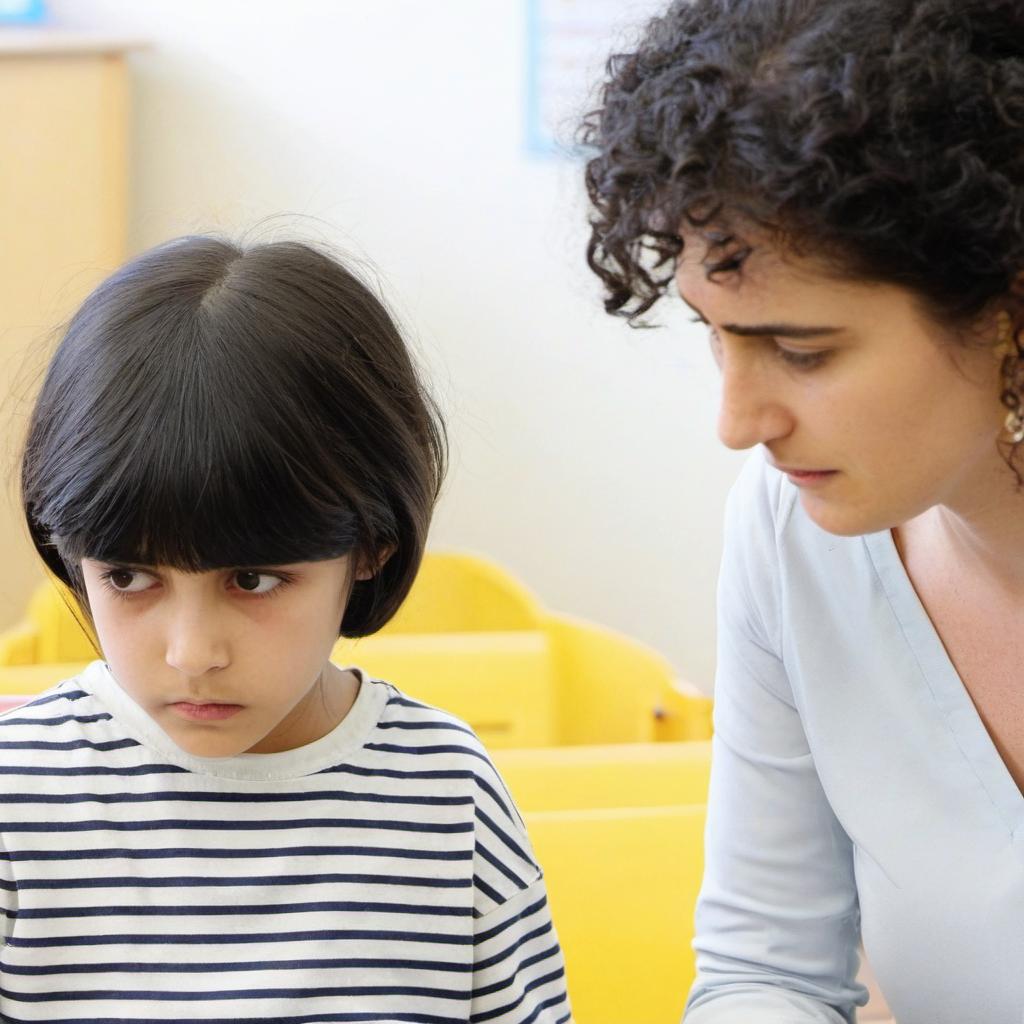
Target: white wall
<point x="584" y="455"/>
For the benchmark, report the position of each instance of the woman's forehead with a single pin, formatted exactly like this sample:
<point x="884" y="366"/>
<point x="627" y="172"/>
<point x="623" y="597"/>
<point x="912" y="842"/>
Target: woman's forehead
<point x="772" y="284"/>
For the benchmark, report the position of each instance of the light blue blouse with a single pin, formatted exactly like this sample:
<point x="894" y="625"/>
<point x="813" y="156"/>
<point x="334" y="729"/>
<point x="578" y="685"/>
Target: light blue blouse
<point x="854" y="791"/>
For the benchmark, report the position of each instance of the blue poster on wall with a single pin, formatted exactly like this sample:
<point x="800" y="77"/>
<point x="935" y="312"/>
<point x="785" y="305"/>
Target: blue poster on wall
<point x="22" y="12"/>
<point x="567" y="44"/>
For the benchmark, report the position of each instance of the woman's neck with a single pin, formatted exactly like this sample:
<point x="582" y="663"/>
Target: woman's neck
<point x="978" y="529"/>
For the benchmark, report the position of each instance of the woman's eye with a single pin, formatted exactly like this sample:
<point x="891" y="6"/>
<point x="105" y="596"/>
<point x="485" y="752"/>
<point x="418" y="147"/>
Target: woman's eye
<point x="802" y="360"/>
<point x="256" y="582"/>
<point x="127" y="581"/>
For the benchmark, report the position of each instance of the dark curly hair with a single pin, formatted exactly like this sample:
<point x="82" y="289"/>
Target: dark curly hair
<point x="884" y="136"/>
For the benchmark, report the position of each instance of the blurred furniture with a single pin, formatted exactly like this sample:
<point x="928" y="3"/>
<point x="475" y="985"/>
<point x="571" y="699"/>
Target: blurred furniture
<point x="616" y="775"/>
<point x="469" y="639"/>
<point x="63" y="205"/>
<point x="623" y="884"/>
<point x="619" y="831"/>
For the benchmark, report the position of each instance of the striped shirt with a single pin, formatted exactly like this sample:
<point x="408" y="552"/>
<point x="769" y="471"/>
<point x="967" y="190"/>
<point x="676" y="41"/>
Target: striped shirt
<point x="379" y="874"/>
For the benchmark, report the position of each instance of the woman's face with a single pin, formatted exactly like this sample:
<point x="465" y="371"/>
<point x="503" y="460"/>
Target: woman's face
<point x="875" y="412"/>
<point x="184" y="645"/>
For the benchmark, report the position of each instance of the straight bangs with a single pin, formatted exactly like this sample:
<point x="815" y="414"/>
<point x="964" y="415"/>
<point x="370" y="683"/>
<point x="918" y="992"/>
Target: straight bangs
<point x="196" y="468"/>
<point x="194" y="503"/>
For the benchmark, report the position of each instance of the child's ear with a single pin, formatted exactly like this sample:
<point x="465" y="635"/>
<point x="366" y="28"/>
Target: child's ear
<point x="368" y="567"/>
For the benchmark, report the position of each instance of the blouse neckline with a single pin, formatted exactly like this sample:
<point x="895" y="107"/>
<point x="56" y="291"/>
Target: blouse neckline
<point x="947" y="688"/>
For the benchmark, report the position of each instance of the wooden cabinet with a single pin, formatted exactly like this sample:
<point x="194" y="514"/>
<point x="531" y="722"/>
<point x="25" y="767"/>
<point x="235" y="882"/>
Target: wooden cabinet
<point x="63" y="211"/>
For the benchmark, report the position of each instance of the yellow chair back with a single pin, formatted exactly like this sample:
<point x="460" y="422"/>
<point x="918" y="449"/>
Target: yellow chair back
<point x="623" y="887"/>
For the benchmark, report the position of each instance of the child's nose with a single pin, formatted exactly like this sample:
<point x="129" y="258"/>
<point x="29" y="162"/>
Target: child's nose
<point x="195" y="643"/>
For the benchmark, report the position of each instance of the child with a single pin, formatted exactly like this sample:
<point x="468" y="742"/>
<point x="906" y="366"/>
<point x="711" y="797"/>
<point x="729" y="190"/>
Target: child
<point x="232" y="461"/>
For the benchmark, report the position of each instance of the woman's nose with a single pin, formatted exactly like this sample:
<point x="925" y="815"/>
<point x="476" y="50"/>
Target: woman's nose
<point x="749" y="413"/>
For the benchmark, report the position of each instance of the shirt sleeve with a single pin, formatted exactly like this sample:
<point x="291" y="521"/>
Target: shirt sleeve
<point x="518" y="970"/>
<point x="778" y="920"/>
<point x="8" y="894"/>
<point x="518" y="967"/>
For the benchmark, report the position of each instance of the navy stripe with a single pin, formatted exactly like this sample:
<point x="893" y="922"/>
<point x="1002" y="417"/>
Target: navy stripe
<point x="522" y="915"/>
<point x="482" y="965"/>
<point x="497" y="864"/>
<point x="103" y="716"/>
<point x="491" y="894"/>
<point x="63" y="695"/>
<point x="505" y="838"/>
<point x="235" y="798"/>
<point x="493" y="794"/>
<point x="405" y="702"/>
<point x="306" y="1018"/>
<point x="243" y="993"/>
<point x="497" y="986"/>
<point x="440" y="748"/>
<point x="214" y="880"/>
<point x="397" y="773"/>
<point x="527" y="989"/>
<point x="425" y="725"/>
<point x="337" y="963"/>
<point x="191" y="939"/>
<point x="198" y="852"/>
<point x="315" y="907"/>
<point x="141" y="769"/>
<point x="231" y="826"/>
<point x="67" y="745"/>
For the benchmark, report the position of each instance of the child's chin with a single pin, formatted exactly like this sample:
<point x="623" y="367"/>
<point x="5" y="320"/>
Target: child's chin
<point x="210" y="745"/>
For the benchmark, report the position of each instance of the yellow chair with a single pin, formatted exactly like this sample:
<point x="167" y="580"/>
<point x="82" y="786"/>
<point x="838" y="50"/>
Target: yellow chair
<point x="617" y="775"/>
<point x="619" y="832"/>
<point x="457" y="592"/>
<point x="469" y="638"/>
<point x="623" y="886"/>
<point x="53" y="631"/>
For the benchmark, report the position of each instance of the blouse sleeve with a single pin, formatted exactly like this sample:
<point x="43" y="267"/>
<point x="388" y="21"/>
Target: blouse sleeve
<point x="778" y="921"/>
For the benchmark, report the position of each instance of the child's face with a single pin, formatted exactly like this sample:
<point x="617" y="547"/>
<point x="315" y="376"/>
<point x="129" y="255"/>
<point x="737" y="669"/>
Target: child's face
<point x="227" y="661"/>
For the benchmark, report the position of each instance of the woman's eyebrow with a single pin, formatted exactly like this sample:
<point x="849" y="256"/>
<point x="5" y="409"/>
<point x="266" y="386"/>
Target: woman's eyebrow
<point x="769" y="330"/>
<point x="779" y="331"/>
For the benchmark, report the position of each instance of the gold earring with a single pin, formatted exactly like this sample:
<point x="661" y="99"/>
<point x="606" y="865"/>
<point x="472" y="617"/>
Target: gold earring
<point x="1006" y="348"/>
<point x="1005" y="345"/>
<point x="1015" y="425"/>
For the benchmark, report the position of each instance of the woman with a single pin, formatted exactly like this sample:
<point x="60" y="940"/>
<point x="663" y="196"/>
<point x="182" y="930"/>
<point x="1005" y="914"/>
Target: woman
<point x="837" y="189"/>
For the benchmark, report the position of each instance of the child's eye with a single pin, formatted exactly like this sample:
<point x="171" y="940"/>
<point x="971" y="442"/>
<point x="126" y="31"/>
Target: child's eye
<point x="126" y="581"/>
<point x="258" y="583"/>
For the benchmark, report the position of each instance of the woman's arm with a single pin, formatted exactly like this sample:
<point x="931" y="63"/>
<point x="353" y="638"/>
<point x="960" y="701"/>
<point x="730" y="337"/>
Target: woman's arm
<point x="777" y="918"/>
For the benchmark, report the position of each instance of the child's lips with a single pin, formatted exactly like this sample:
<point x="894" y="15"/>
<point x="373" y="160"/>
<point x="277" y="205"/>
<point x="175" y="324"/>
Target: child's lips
<point x="205" y="712"/>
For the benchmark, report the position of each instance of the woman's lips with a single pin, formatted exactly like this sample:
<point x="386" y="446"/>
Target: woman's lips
<point x="205" y="712"/>
<point x="808" y="477"/>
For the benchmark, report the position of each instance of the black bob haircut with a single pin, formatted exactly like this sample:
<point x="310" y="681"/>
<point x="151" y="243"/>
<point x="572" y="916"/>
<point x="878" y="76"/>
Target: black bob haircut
<point x="212" y="406"/>
<point x="886" y="137"/>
